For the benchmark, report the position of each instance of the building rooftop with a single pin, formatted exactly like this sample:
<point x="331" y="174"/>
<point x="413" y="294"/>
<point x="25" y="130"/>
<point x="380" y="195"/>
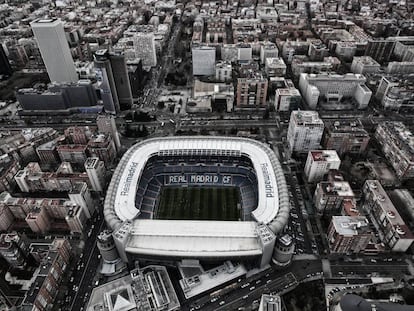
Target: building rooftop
<point x="341" y="126"/>
<point x="350" y="225"/>
<point x="337" y="188"/>
<point x="304" y="117"/>
<point x="324" y="155"/>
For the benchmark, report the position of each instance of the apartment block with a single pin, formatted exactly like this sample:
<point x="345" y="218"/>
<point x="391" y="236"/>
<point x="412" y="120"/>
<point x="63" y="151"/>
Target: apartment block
<point x="396" y="142"/>
<point x="390" y="226"/>
<point x="349" y="234"/>
<point x="319" y="162"/>
<point x="305" y="131"/>
<point x="345" y="137"/>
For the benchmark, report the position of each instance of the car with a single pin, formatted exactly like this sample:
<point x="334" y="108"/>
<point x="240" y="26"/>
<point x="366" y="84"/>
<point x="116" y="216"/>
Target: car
<point x="252" y="288"/>
<point x="97" y="283"/>
<point x="245" y="296"/>
<point x="214" y="299"/>
<point x="71" y="279"/>
<point x="222" y="302"/>
<point x="268" y="281"/>
<point x="245" y="285"/>
<point x="258" y="281"/>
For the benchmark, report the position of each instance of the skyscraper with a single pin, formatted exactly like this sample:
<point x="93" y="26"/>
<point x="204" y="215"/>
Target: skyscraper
<point x="106" y="81"/>
<point x="121" y="78"/>
<point x="54" y="49"/>
<point x="5" y="68"/>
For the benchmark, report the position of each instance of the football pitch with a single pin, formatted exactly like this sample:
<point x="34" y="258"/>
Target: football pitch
<point x="198" y="203"/>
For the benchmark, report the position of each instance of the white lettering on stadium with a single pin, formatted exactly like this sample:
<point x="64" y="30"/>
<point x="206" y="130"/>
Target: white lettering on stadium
<point x="198" y="179"/>
<point x="268" y="183"/>
<point x="127" y="184"/>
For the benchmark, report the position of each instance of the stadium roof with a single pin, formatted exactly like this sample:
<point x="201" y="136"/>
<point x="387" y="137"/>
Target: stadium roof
<point x="177" y="238"/>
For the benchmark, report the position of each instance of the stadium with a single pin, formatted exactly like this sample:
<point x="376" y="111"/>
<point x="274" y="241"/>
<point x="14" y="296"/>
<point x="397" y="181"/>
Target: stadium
<point x="205" y="198"/>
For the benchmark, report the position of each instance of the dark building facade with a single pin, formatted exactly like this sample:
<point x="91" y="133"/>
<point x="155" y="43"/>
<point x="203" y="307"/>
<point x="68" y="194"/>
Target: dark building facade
<point x="5" y="68"/>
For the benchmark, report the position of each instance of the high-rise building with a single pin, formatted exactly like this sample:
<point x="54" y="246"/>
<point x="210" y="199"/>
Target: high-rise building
<point x="252" y="91"/>
<point x="144" y="45"/>
<point x="121" y="78"/>
<point x="72" y="153"/>
<point x="106" y="81"/>
<point x="349" y="234"/>
<point x="204" y="60"/>
<point x="107" y="125"/>
<point x="103" y="147"/>
<point x="223" y="71"/>
<point x="305" y="131"/>
<point x="81" y="196"/>
<point x="95" y="169"/>
<point x="319" y="162"/>
<point x="78" y="135"/>
<point x="275" y="67"/>
<point x="380" y="50"/>
<point x="45" y="287"/>
<point x="287" y="99"/>
<point x="14" y="250"/>
<point x="76" y="219"/>
<point x="397" y="145"/>
<point x="364" y="64"/>
<point x="6" y="216"/>
<point x="345" y="137"/>
<point x="5" y="68"/>
<point x="392" y="229"/>
<point x="54" y="48"/>
<point x="38" y="220"/>
<point x="268" y="49"/>
<point x="330" y="196"/>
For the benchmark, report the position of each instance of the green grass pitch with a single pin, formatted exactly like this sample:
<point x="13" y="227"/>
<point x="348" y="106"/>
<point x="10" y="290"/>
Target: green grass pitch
<point x="198" y="203"/>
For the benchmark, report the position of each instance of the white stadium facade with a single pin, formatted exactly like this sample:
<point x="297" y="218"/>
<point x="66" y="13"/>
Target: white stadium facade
<point x="146" y="167"/>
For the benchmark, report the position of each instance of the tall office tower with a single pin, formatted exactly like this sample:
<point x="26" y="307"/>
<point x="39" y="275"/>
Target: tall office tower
<point x="144" y="45"/>
<point x="204" y="60"/>
<point x="305" y="131"/>
<point x="5" y="68"/>
<point x="106" y="125"/>
<point x="95" y="169"/>
<point x="54" y="49"/>
<point x="106" y="81"/>
<point x="121" y="78"/>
